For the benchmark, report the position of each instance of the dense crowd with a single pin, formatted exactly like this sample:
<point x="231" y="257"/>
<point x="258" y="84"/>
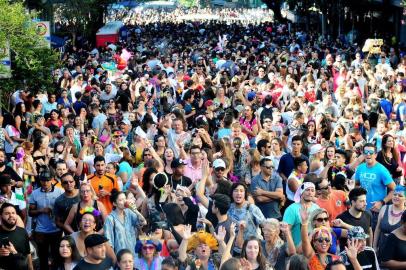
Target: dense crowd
<point x="178" y="15"/>
<point x="215" y="146"/>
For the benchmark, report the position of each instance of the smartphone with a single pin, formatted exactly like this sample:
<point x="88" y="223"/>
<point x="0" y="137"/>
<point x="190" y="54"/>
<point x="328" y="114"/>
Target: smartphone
<point x="4" y="241"/>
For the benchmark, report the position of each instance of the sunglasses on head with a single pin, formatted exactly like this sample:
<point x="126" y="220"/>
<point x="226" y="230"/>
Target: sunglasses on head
<point x="323" y="239"/>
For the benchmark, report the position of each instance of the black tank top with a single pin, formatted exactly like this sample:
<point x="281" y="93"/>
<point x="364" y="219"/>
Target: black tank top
<point x="78" y="216"/>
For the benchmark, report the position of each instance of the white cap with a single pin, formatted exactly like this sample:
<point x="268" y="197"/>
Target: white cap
<point x="316" y="149"/>
<point x="219" y="163"/>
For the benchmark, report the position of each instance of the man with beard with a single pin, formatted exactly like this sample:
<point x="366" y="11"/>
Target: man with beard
<point x="46" y="233"/>
<point x="103" y="183"/>
<point x="14" y="245"/>
<point x="95" y="258"/>
<point x="376" y="180"/>
<point x="304" y="198"/>
<point x="356" y="215"/>
<point x="65" y="201"/>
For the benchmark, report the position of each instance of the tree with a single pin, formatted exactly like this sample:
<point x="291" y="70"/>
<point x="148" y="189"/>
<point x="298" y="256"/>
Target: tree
<point x="32" y="61"/>
<point x="81" y="17"/>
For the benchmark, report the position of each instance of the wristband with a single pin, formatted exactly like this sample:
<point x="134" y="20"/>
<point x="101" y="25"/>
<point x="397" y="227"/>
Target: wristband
<point x="383" y="202"/>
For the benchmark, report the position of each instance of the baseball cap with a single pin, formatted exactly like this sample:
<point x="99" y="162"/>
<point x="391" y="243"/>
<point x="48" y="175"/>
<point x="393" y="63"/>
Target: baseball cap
<point x="316" y="149"/>
<point x="251" y="96"/>
<point x="95" y="240"/>
<point x="219" y="163"/>
<point x="302" y="189"/>
<point x="177" y="162"/>
<point x="357" y="232"/>
<point x="208" y="103"/>
<point x="88" y="88"/>
<point x="126" y="121"/>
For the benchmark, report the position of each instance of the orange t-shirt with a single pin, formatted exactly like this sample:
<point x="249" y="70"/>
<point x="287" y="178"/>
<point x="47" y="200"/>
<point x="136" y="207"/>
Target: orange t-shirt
<point x="106" y="182"/>
<point x="335" y="205"/>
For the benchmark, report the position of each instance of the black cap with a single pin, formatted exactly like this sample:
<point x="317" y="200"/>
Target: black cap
<point x="177" y="162"/>
<point x="95" y="240"/>
<point x="221" y="200"/>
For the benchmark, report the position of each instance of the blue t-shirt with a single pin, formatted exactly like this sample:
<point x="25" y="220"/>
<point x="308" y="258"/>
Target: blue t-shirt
<point x="292" y="217"/>
<point x="335" y="235"/>
<point x="374" y="179"/>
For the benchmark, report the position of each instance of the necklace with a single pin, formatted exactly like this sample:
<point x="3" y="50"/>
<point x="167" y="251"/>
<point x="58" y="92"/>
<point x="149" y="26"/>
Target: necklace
<point x="393" y="214"/>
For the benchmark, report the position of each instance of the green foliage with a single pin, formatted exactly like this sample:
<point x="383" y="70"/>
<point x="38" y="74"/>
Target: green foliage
<point x="188" y="3"/>
<point x="32" y="61"/>
<point x="81" y="17"/>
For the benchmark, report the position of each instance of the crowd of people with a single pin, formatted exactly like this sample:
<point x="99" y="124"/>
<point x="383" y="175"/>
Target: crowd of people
<point x="248" y="147"/>
<point x="138" y="16"/>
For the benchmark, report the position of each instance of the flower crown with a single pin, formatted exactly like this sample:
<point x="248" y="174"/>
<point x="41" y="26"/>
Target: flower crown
<point x="91" y="210"/>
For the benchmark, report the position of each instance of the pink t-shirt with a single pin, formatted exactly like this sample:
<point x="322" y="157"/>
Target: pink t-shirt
<point x="193" y="173"/>
<point x="248" y="125"/>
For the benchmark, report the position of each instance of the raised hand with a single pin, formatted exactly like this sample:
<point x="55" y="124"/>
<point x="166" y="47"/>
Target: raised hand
<point x="352" y="249"/>
<point x="232" y="229"/>
<point x="304" y="215"/>
<point x="221" y="234"/>
<point x="187" y="232"/>
<point x="284" y="227"/>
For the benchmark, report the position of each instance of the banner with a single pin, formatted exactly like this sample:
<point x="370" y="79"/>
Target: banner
<point x="42" y="29"/>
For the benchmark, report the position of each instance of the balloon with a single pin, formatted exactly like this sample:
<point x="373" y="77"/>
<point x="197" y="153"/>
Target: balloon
<point x="125" y="54"/>
<point x="121" y="64"/>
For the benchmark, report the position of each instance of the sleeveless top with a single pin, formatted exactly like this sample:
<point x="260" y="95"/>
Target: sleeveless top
<point x="299" y="178"/>
<point x="315" y="264"/>
<point x="78" y="216"/>
<point x="386" y="229"/>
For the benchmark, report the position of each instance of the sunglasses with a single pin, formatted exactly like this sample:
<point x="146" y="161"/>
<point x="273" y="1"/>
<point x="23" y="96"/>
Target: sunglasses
<point x="321" y="219"/>
<point x="148" y="247"/>
<point x="219" y="169"/>
<point x="369" y="152"/>
<point x="323" y="239"/>
<point x="268" y="167"/>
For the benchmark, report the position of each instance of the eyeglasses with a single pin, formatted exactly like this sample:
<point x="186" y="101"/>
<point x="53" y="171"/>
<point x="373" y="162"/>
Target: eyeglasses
<point x="148" y="247"/>
<point x="321" y="219"/>
<point x="67" y="182"/>
<point x="398" y="194"/>
<point x="369" y="152"/>
<point x="323" y="239"/>
<point x="85" y="191"/>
